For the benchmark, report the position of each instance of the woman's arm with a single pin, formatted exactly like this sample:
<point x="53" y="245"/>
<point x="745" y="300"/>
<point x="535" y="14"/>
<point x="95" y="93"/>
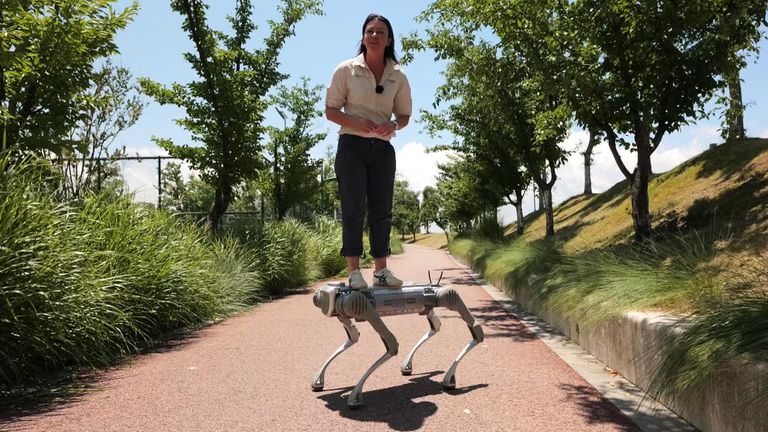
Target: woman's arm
<point x="343" y="119"/>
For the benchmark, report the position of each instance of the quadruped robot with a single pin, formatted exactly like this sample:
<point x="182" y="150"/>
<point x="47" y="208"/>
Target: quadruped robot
<point x="340" y="301"/>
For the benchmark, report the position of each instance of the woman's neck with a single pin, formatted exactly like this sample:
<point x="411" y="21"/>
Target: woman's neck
<point x="374" y="61"/>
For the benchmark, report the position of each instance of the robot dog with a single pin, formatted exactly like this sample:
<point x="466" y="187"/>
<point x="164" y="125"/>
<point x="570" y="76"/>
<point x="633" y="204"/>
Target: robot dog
<point x="336" y="299"/>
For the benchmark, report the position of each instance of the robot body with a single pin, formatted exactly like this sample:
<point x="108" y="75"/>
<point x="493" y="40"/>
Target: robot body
<point x="336" y="299"/>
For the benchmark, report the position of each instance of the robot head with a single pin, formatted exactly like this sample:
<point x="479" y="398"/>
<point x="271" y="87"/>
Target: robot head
<point x="325" y="298"/>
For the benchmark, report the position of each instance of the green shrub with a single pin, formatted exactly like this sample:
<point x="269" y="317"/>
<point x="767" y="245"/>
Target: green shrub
<point x="88" y="283"/>
<point x="325" y="246"/>
<point x="283" y="256"/>
<point x="83" y="286"/>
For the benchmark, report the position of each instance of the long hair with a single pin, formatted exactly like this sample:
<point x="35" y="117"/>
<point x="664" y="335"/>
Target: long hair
<point x="389" y="51"/>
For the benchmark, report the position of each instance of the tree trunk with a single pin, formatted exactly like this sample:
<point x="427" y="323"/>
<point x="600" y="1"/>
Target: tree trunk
<point x="519" y="210"/>
<point x="641" y="215"/>
<point x="735" y="114"/>
<point x="545" y="196"/>
<point x="221" y="201"/>
<point x="593" y="140"/>
<point x="546" y="193"/>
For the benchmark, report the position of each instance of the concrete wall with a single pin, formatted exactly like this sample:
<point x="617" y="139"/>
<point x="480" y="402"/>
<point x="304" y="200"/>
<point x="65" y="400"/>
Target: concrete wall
<point x="630" y="345"/>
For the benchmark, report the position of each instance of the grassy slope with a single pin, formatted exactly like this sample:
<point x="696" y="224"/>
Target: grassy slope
<point x="433" y="240"/>
<point x="722" y="193"/>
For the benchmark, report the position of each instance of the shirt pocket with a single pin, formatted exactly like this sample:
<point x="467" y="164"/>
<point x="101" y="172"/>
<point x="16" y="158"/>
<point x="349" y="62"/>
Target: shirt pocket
<point x="387" y="98"/>
<point x="359" y="89"/>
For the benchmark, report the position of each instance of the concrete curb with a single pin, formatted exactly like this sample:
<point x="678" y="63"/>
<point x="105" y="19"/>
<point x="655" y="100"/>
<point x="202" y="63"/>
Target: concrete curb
<point x="648" y="414"/>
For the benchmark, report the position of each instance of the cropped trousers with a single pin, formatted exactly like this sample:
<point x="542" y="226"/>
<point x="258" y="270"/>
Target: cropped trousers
<point x="365" y="172"/>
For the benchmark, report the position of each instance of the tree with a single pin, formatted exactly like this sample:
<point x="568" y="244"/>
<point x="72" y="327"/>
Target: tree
<point x="175" y="189"/>
<point x="521" y="106"/>
<point x="47" y="53"/>
<point x="405" y="209"/>
<point x="429" y="208"/>
<point x="646" y="68"/>
<point x="294" y="177"/>
<point x="106" y="109"/>
<point x="464" y="196"/>
<point x="225" y="108"/>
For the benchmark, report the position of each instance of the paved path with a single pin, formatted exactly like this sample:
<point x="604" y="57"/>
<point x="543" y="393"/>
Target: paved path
<point x="253" y="373"/>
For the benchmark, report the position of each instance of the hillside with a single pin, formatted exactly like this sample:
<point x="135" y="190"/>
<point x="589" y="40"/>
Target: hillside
<point x="721" y="194"/>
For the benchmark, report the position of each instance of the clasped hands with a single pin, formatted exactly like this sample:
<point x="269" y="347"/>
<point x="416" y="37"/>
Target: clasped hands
<point x="382" y="129"/>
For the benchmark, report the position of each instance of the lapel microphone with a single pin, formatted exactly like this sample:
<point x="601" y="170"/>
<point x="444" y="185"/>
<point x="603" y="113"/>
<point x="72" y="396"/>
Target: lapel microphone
<point x="379" y="89"/>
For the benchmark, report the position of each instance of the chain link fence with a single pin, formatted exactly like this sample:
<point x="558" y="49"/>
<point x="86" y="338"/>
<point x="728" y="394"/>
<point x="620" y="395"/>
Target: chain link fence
<point x="144" y="178"/>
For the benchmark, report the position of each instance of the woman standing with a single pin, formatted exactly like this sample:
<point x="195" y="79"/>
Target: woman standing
<point x="364" y="95"/>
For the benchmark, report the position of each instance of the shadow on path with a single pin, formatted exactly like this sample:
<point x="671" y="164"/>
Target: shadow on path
<point x="395" y="406"/>
<point x="497" y="322"/>
<point x="595" y="409"/>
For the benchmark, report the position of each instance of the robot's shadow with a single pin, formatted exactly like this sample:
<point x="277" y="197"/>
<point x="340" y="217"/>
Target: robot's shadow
<point x="397" y="406"/>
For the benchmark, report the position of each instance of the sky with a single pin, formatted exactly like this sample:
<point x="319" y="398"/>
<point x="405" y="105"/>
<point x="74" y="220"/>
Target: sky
<point x="153" y="44"/>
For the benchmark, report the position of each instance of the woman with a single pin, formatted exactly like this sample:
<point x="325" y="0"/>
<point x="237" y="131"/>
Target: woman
<point x="364" y="95"/>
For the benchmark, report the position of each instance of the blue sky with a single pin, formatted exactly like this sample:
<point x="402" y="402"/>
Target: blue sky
<point x="152" y="46"/>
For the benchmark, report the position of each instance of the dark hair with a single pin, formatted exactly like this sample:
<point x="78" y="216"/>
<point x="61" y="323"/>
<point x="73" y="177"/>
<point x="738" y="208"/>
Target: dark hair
<point x="389" y="51"/>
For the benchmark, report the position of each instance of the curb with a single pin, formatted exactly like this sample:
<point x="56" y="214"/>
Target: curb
<point x="648" y="414"/>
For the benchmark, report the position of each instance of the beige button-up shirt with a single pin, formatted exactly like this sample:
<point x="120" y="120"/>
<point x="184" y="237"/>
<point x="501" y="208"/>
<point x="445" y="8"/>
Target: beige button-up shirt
<point x="353" y="88"/>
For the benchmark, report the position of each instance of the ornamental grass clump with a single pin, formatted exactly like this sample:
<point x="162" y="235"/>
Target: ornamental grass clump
<point x="718" y="333"/>
<point x="283" y="256"/>
<point x="85" y="285"/>
<point x="325" y="244"/>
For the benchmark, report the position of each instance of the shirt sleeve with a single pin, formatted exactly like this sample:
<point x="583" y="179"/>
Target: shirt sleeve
<point x="336" y="94"/>
<point x="403" y="104"/>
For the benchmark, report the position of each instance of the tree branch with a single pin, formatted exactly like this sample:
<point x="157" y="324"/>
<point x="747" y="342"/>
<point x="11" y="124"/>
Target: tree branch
<point x="612" y="145"/>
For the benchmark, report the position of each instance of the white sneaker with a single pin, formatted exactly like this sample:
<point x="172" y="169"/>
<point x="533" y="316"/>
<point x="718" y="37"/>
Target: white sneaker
<point x="385" y="278"/>
<point x="356" y="280"/>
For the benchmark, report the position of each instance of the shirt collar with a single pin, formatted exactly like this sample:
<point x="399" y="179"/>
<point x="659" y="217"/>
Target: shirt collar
<point x="389" y="67"/>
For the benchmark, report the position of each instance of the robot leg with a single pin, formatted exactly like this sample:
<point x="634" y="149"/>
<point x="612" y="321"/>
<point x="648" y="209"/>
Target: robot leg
<point x="358" y="306"/>
<point x="406" y="368"/>
<point x="352" y="337"/>
<point x="449" y="298"/>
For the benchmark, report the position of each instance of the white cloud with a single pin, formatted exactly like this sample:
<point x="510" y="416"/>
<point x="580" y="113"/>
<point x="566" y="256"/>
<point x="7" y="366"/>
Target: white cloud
<point x="762" y="133"/>
<point x="418" y="166"/>
<point x="141" y="176"/>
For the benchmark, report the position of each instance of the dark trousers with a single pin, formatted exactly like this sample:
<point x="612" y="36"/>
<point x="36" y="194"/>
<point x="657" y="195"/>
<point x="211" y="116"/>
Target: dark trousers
<point x="365" y="171"/>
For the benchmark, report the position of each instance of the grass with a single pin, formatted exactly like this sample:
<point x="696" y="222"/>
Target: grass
<point x="85" y="285"/>
<point x="708" y="261"/>
<point x="430" y="240"/>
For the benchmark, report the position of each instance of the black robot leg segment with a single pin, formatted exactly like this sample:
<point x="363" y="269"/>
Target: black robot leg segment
<point x="406" y="368"/>
<point x="358" y="306"/>
<point x="353" y="335"/>
<point x="449" y="298"/>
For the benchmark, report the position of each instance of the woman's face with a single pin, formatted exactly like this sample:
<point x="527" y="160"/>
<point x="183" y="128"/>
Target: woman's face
<point x="376" y="37"/>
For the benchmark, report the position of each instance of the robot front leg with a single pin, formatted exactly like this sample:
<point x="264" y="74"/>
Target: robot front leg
<point x="352" y="337"/>
<point x="358" y="306"/>
<point x="449" y="298"/>
<point x="406" y="368"/>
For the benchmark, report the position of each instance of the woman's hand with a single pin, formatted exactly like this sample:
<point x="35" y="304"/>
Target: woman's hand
<point x="366" y="125"/>
<point x="385" y="129"/>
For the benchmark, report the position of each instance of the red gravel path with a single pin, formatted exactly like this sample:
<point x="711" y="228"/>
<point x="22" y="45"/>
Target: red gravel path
<point x="253" y="373"/>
